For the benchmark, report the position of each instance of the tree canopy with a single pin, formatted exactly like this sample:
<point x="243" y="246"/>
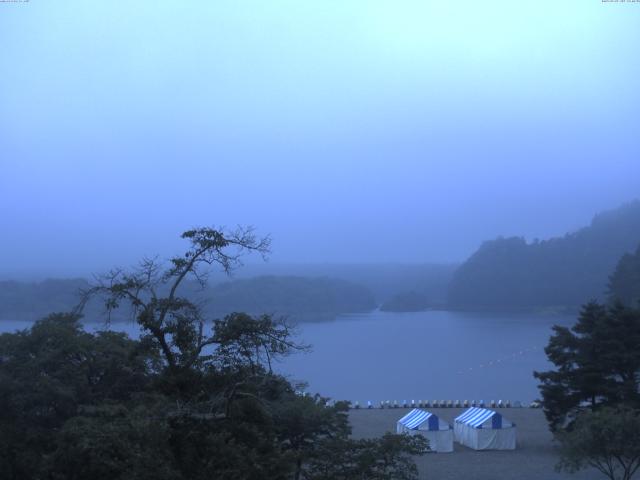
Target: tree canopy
<point x="193" y="398"/>
<point x="607" y="440"/>
<point x="597" y="364"/>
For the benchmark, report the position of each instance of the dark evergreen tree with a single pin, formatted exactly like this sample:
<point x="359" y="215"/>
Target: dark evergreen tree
<point x="597" y="363"/>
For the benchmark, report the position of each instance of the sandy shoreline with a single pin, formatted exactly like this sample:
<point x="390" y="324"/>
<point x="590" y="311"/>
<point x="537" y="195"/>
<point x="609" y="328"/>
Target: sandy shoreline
<point x="534" y="458"/>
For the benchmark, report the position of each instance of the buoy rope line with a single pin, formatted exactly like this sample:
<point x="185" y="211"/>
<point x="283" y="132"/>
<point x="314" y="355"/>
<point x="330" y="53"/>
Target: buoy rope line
<point x="500" y="361"/>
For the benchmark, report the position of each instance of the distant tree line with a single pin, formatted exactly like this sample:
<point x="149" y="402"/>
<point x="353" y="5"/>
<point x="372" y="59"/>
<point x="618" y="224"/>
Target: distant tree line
<point x="301" y="298"/>
<point x="406" y="302"/>
<point x="292" y="295"/>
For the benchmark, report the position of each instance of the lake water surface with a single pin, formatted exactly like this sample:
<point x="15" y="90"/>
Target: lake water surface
<point x="430" y="355"/>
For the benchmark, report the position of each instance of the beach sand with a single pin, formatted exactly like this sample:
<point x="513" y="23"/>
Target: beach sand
<point x="533" y="459"/>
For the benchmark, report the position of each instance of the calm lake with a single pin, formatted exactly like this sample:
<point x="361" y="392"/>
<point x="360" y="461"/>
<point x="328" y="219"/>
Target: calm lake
<point x="432" y="355"/>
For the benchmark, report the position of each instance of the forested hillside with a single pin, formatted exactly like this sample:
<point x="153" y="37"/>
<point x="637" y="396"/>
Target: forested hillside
<point x="35" y="300"/>
<point x="384" y="280"/>
<point x="301" y="298"/>
<point x="560" y="272"/>
<point x="624" y="283"/>
<point x="406" y="302"/>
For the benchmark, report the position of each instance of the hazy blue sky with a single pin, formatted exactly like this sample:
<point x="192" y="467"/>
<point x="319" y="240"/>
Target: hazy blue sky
<point x="350" y="130"/>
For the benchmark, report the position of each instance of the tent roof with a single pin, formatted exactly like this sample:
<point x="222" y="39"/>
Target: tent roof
<point x="415" y="418"/>
<point x="475" y="417"/>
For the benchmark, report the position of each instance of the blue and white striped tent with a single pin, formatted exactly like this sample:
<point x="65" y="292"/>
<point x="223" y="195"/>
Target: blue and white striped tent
<point x="421" y="422"/>
<point x="484" y="429"/>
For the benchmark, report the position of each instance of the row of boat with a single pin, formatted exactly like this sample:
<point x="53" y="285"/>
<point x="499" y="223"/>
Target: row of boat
<point x="445" y="404"/>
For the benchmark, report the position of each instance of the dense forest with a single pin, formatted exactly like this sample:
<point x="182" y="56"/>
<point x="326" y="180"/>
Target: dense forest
<point x="187" y="400"/>
<point x="559" y="272"/>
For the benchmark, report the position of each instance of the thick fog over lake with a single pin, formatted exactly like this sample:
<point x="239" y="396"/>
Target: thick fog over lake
<point x="365" y="132"/>
<point x="241" y="239"/>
